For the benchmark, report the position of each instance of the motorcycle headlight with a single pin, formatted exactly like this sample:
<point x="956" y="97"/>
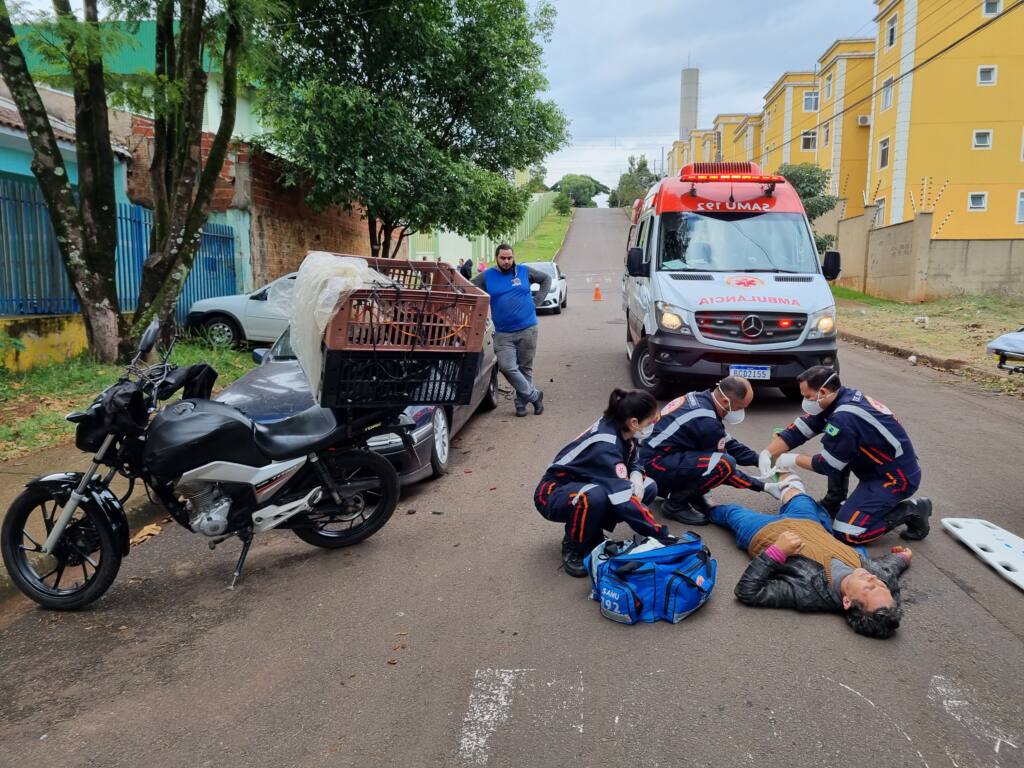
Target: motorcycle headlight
<point x="673" y="319"/>
<point x="822" y="324"/>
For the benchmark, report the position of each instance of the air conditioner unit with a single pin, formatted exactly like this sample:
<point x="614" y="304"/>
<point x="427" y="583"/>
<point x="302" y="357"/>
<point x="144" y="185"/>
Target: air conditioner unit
<point x="863" y="120"/>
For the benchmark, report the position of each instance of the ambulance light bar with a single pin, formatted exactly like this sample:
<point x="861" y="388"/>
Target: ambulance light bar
<point x="734" y="178"/>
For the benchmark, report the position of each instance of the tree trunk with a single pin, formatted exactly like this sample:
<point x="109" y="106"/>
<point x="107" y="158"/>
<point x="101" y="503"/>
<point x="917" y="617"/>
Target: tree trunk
<point x="371" y="223"/>
<point x="86" y="246"/>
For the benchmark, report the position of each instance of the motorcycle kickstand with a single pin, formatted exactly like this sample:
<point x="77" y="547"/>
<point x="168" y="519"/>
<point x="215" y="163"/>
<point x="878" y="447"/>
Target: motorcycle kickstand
<point x="246" y="537"/>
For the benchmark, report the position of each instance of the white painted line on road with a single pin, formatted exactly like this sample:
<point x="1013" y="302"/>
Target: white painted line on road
<point x="490" y="702"/>
<point x="944" y="691"/>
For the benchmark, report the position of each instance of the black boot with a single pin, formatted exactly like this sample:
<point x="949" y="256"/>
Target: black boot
<point x="688" y="510"/>
<point x="915" y="514"/>
<point x="538" y="404"/>
<point x="838" y="490"/>
<point x="572" y="559"/>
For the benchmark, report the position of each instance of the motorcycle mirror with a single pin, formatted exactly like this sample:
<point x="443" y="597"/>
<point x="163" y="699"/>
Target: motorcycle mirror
<point x="149" y="337"/>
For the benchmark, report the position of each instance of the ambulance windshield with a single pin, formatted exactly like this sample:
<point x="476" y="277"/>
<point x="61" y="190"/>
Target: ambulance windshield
<point x="736" y="242"/>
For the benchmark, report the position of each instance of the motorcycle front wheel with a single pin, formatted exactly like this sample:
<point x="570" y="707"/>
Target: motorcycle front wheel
<point x="82" y="566"/>
<point x="369" y="489"/>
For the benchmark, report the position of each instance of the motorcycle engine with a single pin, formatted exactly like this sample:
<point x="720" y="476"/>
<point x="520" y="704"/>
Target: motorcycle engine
<point x="207" y="507"/>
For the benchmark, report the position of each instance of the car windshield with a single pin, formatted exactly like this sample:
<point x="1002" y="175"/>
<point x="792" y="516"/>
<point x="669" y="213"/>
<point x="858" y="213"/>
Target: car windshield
<point x="542" y="266"/>
<point x="282" y="349"/>
<point x="736" y="242"/>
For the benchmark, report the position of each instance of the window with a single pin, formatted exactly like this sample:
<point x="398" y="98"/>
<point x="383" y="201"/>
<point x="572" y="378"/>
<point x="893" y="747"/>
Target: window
<point x="1020" y="207"/>
<point x="991" y="7"/>
<point x="825" y="136"/>
<point x="883" y="154"/>
<point x="982" y="139"/>
<point x="879" y="212"/>
<point x="977" y="201"/>
<point x="987" y="75"/>
<point x="810" y="101"/>
<point x="890" y="31"/>
<point x="887" y="89"/>
<point x="809" y="141"/>
<point x="828" y="87"/>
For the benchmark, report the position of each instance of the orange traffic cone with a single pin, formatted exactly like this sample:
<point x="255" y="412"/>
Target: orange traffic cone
<point x="597" y="292"/>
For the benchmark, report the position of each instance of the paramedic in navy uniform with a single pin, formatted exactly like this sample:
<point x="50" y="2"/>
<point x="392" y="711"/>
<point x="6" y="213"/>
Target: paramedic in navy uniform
<point x="859" y="435"/>
<point x="597" y="481"/>
<point x="514" y="312"/>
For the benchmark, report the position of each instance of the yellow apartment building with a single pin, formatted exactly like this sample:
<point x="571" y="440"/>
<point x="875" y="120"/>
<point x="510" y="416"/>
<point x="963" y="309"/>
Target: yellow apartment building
<point x="790" y="120"/>
<point x="724" y="127"/>
<point x="947" y="135"/>
<point x="675" y="157"/>
<point x="845" y="77"/>
<point x="747" y="139"/>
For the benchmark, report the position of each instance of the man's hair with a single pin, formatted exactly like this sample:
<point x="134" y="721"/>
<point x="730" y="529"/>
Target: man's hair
<point x="734" y="387"/>
<point x="881" y="624"/>
<point x="816" y="376"/>
<point x="502" y="247"/>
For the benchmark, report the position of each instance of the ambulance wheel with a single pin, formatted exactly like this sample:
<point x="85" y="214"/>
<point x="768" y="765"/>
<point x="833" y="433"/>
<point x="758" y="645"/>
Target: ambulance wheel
<point x="641" y="367"/>
<point x="792" y="392"/>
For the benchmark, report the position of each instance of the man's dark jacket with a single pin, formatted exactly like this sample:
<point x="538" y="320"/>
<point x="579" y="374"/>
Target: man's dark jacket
<point x="801" y="583"/>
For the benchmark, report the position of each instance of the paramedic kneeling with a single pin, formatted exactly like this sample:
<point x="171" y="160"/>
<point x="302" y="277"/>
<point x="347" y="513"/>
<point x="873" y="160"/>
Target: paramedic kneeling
<point x="597" y="480"/>
<point x="798" y="564"/>
<point x="514" y="311"/>
<point x="860" y="435"/>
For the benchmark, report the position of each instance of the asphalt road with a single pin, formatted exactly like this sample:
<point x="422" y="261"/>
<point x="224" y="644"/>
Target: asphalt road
<point x="452" y="639"/>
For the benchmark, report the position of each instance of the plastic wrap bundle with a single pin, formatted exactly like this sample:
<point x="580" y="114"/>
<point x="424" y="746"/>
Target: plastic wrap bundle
<point x="1009" y="344"/>
<point x="324" y="281"/>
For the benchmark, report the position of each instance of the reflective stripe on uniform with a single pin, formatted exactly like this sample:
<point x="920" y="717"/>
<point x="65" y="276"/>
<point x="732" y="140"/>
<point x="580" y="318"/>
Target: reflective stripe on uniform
<point x="582" y="491"/>
<point x="804" y="429"/>
<point x="832" y="460"/>
<point x="621" y="497"/>
<point x="672" y="428"/>
<point x="861" y="413"/>
<point x="850" y="530"/>
<point x="570" y="456"/>
<point x="712" y="463"/>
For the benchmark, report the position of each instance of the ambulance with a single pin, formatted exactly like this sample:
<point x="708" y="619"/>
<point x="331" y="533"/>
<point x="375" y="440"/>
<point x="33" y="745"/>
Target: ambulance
<point x="722" y="278"/>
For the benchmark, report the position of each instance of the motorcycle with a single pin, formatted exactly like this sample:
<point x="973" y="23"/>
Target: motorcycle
<point x="216" y="472"/>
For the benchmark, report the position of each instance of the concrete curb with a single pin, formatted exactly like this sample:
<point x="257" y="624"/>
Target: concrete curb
<point x="572" y="218"/>
<point x="943" y="364"/>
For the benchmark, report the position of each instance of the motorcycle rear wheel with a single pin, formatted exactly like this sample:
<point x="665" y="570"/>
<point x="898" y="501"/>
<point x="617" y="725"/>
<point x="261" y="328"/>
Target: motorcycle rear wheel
<point x="364" y="510"/>
<point x="83" y="565"/>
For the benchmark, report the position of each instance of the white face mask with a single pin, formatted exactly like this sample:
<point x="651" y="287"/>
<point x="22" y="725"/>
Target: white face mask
<point x="814" y="407"/>
<point x="732" y="416"/>
<point x="644" y="433"/>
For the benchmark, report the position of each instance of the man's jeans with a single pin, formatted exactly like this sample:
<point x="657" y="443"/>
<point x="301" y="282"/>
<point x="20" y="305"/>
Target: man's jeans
<point x="515" y="353"/>
<point x="745" y="523"/>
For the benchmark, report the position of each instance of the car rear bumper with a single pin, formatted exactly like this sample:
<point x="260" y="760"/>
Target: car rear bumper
<point x="410" y="470"/>
<point x="677" y="357"/>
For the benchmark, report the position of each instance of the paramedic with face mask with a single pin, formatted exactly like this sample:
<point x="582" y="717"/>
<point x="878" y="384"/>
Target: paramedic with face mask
<point x="860" y="435"/>
<point x="597" y="481"/>
<point x="690" y="451"/>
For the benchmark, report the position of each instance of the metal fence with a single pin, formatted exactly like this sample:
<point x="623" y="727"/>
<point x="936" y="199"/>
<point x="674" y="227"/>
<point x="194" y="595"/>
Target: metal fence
<point x="32" y="276"/>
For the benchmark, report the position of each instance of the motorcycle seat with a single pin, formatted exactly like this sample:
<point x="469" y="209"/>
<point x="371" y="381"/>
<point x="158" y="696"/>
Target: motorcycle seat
<point x="306" y="432"/>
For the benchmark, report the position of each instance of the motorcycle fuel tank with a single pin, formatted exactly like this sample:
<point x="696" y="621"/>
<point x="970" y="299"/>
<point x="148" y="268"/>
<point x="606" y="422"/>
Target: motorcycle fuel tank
<point x="191" y="433"/>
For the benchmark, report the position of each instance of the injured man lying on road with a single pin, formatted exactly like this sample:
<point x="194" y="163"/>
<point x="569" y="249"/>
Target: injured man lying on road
<point x="798" y="563"/>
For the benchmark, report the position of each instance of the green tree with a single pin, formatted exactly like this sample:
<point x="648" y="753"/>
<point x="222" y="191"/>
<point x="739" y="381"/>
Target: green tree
<point x="85" y="217"/>
<point x="636" y="181"/>
<point x="613" y="199"/>
<point x="563" y="204"/>
<point x="417" y="113"/>
<point x="536" y="181"/>
<point x="580" y="189"/>
<point x="811" y="183"/>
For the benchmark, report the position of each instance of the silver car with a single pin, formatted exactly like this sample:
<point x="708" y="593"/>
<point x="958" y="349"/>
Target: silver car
<point x="558" y="297"/>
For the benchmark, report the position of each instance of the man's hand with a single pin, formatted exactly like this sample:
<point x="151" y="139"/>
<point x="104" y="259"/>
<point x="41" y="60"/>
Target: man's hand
<point x="905" y="551"/>
<point x="637" y="481"/>
<point x="789" y="543"/>
<point x="764" y="464"/>
<point x="786" y="462"/>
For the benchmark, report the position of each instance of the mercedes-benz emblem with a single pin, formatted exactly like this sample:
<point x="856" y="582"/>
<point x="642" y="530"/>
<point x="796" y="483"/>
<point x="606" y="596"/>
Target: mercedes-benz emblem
<point x="752" y="326"/>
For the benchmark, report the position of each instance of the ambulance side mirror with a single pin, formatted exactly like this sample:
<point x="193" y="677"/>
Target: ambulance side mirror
<point x="830" y="266"/>
<point x="635" y="262"/>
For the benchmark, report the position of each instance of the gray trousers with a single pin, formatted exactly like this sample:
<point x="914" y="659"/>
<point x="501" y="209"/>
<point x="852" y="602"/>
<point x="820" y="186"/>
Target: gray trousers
<point x="515" y="353"/>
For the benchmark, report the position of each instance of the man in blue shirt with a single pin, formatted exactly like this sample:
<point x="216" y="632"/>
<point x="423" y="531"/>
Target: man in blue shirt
<point x="514" y="312"/>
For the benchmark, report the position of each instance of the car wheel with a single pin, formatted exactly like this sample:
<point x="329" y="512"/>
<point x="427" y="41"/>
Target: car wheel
<point x="222" y="331"/>
<point x="557" y="310"/>
<point x="440" y="442"/>
<point x="490" y="401"/>
<point x="641" y="366"/>
<point x="565" y="300"/>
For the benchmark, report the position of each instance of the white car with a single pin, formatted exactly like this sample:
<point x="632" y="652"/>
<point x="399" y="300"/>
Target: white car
<point x="230" y="320"/>
<point x="558" y="297"/>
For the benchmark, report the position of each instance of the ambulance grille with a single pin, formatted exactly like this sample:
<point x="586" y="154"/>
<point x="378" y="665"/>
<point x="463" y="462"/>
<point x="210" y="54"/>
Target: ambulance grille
<point x="751" y="327"/>
<point x="691" y="276"/>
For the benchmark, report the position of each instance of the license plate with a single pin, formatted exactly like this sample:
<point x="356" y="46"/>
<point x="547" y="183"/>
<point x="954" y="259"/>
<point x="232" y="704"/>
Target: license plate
<point x="757" y="372"/>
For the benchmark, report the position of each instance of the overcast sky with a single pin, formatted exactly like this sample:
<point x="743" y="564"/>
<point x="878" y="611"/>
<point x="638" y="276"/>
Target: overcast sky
<point x="614" y="67"/>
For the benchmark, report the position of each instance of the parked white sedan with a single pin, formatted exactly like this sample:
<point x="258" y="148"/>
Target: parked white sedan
<point x="558" y="297"/>
<point x="230" y="320"/>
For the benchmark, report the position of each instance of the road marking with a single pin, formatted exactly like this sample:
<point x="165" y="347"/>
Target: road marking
<point x="944" y="691"/>
<point x="490" y="702"/>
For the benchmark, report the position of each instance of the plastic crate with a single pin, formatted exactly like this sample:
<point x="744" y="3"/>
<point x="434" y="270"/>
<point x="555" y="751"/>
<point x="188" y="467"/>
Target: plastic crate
<point x="425" y="306"/>
<point x="380" y="379"/>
